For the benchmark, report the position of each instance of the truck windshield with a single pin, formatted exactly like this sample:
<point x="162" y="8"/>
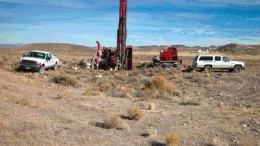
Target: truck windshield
<point x="195" y="59"/>
<point x="36" y="55"/>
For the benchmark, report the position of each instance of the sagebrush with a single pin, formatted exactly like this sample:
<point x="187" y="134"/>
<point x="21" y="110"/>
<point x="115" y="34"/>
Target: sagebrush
<point x="111" y="120"/>
<point x="135" y="113"/>
<point x="172" y="139"/>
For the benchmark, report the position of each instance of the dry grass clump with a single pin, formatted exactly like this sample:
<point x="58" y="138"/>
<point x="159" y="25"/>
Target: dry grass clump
<point x="159" y="87"/>
<point x="111" y="120"/>
<point x="135" y="113"/>
<point x="159" y="82"/>
<point x="151" y="106"/>
<point x="92" y="92"/>
<point x="172" y="139"/>
<point x="104" y="86"/>
<point x="65" y="79"/>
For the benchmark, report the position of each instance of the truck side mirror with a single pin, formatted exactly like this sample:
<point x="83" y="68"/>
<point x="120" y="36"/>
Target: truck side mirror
<point x="23" y="55"/>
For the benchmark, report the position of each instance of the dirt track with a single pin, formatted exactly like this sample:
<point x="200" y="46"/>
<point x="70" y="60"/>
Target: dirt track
<point x="220" y="108"/>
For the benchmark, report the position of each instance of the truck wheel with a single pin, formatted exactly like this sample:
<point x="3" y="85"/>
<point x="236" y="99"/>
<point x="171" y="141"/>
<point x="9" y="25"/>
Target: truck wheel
<point x="55" y="67"/>
<point x="237" y="69"/>
<point x="207" y="68"/>
<point x="18" y="69"/>
<point x="42" y="69"/>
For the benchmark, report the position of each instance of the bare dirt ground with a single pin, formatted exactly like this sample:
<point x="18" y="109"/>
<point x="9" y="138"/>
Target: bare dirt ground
<point x="70" y="107"/>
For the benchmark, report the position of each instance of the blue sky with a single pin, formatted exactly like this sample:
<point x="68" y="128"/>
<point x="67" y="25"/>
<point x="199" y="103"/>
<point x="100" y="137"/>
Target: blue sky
<point x="150" y="22"/>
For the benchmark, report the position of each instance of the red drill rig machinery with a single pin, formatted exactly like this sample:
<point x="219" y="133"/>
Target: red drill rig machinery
<point x="168" y="58"/>
<point x="121" y="57"/>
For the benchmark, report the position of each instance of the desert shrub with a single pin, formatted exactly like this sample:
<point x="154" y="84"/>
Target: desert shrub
<point x="172" y="139"/>
<point x="159" y="82"/>
<point x="151" y="106"/>
<point x="158" y="87"/>
<point x="111" y="120"/>
<point x="65" y="79"/>
<point x="135" y="113"/>
<point x="104" y="86"/>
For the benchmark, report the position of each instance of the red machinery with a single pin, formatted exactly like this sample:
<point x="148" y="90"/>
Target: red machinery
<point x="168" y="58"/>
<point x="120" y="58"/>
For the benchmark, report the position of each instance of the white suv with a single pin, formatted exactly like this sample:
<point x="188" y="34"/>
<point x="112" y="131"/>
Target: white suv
<point x="209" y="62"/>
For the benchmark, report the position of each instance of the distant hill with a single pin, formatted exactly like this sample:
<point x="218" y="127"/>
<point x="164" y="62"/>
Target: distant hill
<point x="10" y="45"/>
<point x="241" y="49"/>
<point x="235" y="48"/>
<point x="42" y="46"/>
<point x="53" y="47"/>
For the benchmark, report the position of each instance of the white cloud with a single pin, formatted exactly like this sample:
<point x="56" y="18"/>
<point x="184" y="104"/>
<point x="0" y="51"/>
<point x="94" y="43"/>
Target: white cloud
<point x="200" y="31"/>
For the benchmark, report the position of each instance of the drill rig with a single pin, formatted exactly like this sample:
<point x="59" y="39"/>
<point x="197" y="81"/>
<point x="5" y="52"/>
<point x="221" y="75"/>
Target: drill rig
<point x="121" y="57"/>
<point x="168" y="58"/>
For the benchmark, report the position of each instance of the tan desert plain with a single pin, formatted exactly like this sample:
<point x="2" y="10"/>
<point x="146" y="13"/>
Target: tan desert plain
<point x="142" y="107"/>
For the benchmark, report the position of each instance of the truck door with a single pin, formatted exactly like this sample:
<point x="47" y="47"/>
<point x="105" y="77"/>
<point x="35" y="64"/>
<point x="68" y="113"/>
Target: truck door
<point x="226" y="62"/>
<point x="217" y="62"/>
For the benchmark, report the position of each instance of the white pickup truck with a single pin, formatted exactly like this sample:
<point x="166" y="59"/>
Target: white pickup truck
<point x="38" y="61"/>
<point x="209" y="62"/>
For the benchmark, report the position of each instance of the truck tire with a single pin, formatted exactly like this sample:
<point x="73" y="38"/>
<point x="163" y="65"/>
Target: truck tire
<point x="237" y="69"/>
<point x="19" y="69"/>
<point x="55" y="67"/>
<point x="41" y="70"/>
<point x="207" y="68"/>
